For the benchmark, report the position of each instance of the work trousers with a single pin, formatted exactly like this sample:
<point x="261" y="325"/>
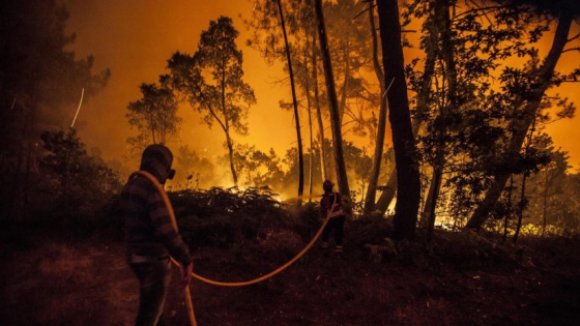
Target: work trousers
<point x="335" y="225"/>
<point x="154" y="278"/>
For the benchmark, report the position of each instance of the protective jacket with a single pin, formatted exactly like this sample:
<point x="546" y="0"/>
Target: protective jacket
<point x="327" y="200"/>
<point x="149" y="232"/>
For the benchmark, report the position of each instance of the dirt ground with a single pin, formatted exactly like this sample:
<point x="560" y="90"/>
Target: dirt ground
<point x="87" y="282"/>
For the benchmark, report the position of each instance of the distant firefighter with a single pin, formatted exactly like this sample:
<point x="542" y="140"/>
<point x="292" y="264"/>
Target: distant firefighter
<point x="151" y="239"/>
<point x="332" y="206"/>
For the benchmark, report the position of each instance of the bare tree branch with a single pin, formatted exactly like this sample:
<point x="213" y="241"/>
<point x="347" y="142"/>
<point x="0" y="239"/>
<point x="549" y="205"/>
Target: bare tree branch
<point x="573" y="38"/>
<point x="475" y="10"/>
<point x="362" y="12"/>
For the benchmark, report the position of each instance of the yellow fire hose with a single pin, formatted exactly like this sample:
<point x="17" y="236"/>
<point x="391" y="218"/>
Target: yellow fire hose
<point x="188" y="300"/>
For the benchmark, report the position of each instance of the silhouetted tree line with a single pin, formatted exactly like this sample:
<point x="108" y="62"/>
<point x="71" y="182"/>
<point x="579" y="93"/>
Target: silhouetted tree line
<point x="464" y="122"/>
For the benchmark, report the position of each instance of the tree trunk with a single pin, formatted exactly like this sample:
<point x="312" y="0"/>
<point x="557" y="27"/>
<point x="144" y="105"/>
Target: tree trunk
<point x="408" y="183"/>
<point x="388" y="193"/>
<point x="545" y="204"/>
<point x="295" y="104"/>
<point x="333" y="105"/>
<point x="343" y="96"/>
<point x="322" y="152"/>
<point x="431" y="202"/>
<point x="226" y="123"/>
<point x="231" y="157"/>
<point x="309" y="107"/>
<point x="521" y="207"/>
<point x="151" y="126"/>
<point x="390" y="188"/>
<point x="509" y="204"/>
<point x="311" y="163"/>
<point x="443" y="23"/>
<point x="380" y="137"/>
<point x="520" y="126"/>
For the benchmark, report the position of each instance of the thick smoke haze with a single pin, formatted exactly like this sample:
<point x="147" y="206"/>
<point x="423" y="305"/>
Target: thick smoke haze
<point x="135" y="38"/>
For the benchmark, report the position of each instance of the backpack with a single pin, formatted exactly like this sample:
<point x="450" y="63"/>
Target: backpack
<point x="336" y="209"/>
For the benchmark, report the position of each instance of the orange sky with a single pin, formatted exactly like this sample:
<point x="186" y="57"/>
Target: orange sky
<point x="134" y="38"/>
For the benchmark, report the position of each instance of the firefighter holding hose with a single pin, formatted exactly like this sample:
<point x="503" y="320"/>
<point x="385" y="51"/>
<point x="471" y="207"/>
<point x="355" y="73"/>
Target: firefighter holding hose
<point x="332" y="207"/>
<point x="151" y="239"/>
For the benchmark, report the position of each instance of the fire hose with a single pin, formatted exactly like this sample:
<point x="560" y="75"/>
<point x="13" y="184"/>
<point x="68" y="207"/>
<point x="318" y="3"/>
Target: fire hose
<point x="189" y="302"/>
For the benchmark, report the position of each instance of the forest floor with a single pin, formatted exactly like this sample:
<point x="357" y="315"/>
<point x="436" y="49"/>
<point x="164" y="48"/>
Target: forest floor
<point x="460" y="279"/>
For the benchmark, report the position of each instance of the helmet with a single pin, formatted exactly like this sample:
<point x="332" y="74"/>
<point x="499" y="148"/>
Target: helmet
<point x="327" y="185"/>
<point x="157" y="159"/>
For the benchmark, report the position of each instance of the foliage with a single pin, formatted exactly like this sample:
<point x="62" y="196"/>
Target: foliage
<point x="497" y="61"/>
<point x="224" y="97"/>
<point x="154" y="115"/>
<point x="222" y="217"/>
<point x="212" y="81"/>
<point x="38" y="71"/>
<point x="41" y="80"/>
<point x="551" y="196"/>
<point x="258" y="168"/>
<point x="358" y="165"/>
<point x="350" y="54"/>
<point x="75" y="183"/>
